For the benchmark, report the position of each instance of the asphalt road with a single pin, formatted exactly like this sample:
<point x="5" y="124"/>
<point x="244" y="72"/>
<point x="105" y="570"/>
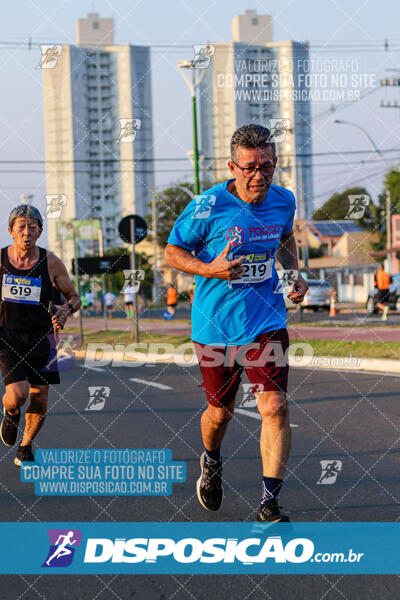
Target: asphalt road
<point x="338" y="416"/>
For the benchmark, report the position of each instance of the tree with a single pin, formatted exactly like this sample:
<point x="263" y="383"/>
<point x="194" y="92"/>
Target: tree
<point x="391" y="183"/>
<point x="337" y="207"/>
<point x="169" y="205"/>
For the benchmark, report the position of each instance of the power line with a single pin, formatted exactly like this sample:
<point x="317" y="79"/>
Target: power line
<point x="206" y="158"/>
<point x="384" y="45"/>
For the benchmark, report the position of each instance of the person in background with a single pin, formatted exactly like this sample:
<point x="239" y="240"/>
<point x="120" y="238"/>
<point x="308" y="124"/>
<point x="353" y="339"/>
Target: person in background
<point x="85" y="304"/>
<point x="109" y="299"/>
<point x="172" y="300"/>
<point x="90" y="299"/>
<point x="382" y="282"/>
<point x="128" y="292"/>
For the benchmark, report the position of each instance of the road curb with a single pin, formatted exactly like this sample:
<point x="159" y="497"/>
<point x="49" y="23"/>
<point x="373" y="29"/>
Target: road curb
<point x="188" y="359"/>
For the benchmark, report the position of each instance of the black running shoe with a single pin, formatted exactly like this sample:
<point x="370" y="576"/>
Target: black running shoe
<point x="209" y="484"/>
<point x="24" y="454"/>
<point x="9" y="427"/>
<point x="269" y="511"/>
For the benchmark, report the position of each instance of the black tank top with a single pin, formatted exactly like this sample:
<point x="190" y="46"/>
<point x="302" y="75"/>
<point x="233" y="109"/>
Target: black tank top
<point x="25" y="298"/>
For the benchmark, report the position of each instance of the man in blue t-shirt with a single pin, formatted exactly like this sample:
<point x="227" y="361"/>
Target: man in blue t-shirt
<point x="228" y="238"/>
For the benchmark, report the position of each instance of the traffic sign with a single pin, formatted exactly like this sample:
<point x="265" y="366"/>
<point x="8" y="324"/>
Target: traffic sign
<point x="124" y="228"/>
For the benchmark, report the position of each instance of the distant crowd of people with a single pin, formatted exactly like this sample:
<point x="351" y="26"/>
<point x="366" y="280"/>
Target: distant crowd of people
<point x="92" y="304"/>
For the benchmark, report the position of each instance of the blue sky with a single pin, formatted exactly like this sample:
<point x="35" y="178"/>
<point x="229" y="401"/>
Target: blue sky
<point x="188" y="22"/>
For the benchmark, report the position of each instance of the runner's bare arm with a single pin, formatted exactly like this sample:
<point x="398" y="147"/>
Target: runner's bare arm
<point x="287" y="256"/>
<point x="219" y="268"/>
<point x="59" y="276"/>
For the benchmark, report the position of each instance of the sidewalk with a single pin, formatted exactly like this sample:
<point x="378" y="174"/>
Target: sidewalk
<point x="345" y="334"/>
<point x="93" y="324"/>
<point x="182" y="327"/>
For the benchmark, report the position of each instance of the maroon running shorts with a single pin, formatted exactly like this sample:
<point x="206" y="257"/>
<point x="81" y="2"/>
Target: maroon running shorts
<point x="264" y="360"/>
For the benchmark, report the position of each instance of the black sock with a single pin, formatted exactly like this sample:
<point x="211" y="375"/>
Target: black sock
<point x="271" y="486"/>
<point x="214" y="455"/>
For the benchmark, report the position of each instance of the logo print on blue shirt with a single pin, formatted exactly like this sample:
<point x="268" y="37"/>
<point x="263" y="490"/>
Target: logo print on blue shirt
<point x="235" y="235"/>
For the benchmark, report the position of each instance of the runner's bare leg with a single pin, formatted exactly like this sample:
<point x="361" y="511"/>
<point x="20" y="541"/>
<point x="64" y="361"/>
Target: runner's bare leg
<point x="275" y="438"/>
<point x="36" y="413"/>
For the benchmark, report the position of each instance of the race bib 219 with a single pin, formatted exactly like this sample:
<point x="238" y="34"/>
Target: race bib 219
<point x="257" y="268"/>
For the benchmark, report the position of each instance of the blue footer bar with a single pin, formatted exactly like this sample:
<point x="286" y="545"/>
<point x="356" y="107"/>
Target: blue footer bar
<point x="200" y="548"/>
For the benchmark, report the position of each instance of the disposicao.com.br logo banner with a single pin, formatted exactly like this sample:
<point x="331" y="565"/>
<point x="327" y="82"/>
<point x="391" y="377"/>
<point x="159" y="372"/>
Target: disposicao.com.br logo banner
<point x="199" y="548"/>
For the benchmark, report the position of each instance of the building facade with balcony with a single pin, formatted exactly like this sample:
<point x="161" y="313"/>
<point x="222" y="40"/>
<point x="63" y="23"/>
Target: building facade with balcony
<point x="252" y="79"/>
<point x="98" y="133"/>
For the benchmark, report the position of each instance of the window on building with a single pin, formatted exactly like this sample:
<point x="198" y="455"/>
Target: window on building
<point x="358" y="279"/>
<point x="254" y="21"/>
<point x="95" y="25"/>
<point x="345" y="278"/>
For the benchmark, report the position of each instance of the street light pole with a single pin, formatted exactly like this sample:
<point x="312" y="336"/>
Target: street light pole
<point x="388" y="199"/>
<point x="193" y="84"/>
<point x="369" y="138"/>
<point x="195" y="142"/>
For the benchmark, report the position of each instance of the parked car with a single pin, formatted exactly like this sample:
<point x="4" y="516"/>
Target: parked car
<point x="394" y="296"/>
<point x="318" y="296"/>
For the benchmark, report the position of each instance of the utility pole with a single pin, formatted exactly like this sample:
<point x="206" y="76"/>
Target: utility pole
<point x="155" y="247"/>
<point x="77" y="282"/>
<point x="103" y="278"/>
<point x="303" y="214"/>
<point x="135" y="323"/>
<point x="393" y="82"/>
<point x="389" y="228"/>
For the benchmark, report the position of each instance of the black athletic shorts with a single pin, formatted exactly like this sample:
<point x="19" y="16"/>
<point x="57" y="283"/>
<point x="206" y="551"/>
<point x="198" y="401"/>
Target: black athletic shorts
<point x="382" y="296"/>
<point x="23" y="359"/>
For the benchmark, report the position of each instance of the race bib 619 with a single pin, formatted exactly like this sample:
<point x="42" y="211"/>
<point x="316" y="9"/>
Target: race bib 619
<point x="25" y="290"/>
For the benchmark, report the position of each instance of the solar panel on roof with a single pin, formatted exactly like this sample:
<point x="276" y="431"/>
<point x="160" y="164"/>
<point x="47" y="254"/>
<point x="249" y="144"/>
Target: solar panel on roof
<point x="336" y="228"/>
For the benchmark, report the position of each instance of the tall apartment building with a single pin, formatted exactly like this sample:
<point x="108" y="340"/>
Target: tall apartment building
<point x="254" y="80"/>
<point x="98" y="133"/>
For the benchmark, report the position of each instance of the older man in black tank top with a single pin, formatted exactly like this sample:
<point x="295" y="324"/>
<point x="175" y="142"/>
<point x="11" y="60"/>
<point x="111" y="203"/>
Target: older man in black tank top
<point x="29" y="275"/>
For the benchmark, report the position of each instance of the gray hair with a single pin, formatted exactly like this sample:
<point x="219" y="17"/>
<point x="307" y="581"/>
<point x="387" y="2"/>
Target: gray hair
<point x="25" y="210"/>
<point x="251" y="136"/>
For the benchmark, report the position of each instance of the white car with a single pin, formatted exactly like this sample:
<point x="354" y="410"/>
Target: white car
<point x="318" y="296"/>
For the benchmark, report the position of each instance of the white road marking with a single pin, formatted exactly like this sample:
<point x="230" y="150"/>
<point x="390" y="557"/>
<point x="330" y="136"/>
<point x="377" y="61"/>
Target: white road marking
<point x="255" y="415"/>
<point x="92" y="368"/>
<point x="160" y="386"/>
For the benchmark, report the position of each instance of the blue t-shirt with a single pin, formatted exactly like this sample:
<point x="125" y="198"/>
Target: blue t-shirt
<point x="230" y="313"/>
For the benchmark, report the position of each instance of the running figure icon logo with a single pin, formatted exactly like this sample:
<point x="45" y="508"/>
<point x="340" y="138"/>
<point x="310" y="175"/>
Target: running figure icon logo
<point x="54" y="205"/>
<point x="202" y="55"/>
<point x="249" y="394"/>
<point x="330" y="471"/>
<point x="63" y="543"/>
<point x="204" y="206"/>
<point x="133" y="279"/>
<point x="286" y="279"/>
<point x="128" y="129"/>
<point x="235" y="235"/>
<point x="49" y="57"/>
<point x="357" y="206"/>
<point x="278" y="129"/>
<point x="98" y="397"/>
